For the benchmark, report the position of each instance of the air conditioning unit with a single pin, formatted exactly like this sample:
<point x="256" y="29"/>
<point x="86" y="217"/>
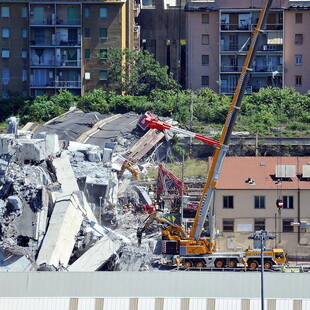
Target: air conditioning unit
<point x="265" y="47"/>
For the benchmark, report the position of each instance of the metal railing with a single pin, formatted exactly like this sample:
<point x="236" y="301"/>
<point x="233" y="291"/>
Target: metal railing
<point x="50" y="20"/>
<point x="248" y="27"/>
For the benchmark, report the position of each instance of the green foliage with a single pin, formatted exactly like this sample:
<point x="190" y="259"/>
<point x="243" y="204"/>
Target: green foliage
<point x="136" y="73"/>
<point x="124" y="104"/>
<point x="94" y="101"/>
<point x="42" y="109"/>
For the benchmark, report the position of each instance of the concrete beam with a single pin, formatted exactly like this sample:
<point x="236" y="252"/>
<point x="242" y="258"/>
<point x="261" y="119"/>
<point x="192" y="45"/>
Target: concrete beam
<point x="63" y="227"/>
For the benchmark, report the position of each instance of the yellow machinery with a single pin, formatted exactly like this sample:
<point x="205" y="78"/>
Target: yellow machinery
<point x="175" y="240"/>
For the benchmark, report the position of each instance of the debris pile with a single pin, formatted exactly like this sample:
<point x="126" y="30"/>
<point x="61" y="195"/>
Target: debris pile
<point x="61" y="206"/>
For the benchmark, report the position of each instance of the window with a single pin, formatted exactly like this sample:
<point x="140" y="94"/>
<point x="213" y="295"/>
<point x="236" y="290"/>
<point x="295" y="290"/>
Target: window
<point x="5" y="53"/>
<point x="259" y="224"/>
<point x="24" y="53"/>
<point x="103" y="12"/>
<point x="299" y="39"/>
<point x="87" y="53"/>
<point x="24" y="75"/>
<point x="103" y="53"/>
<point x="228" y="202"/>
<point x="5" y="11"/>
<point x="228" y="225"/>
<point x="24" y="33"/>
<point x="87" y="12"/>
<point x="87" y="75"/>
<point x="24" y="12"/>
<point x="103" y="32"/>
<point x="5" y="33"/>
<point x="298" y="59"/>
<point x="259" y="202"/>
<point x="5" y="76"/>
<point x="103" y="75"/>
<point x="205" y="18"/>
<point x="205" y="60"/>
<point x="286" y="225"/>
<point x="288" y="202"/>
<point x="87" y="32"/>
<point x="298" y="18"/>
<point x="205" y="39"/>
<point x="205" y="80"/>
<point x="298" y="80"/>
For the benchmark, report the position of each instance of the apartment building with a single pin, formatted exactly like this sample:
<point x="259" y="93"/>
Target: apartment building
<point x="245" y="202"/>
<point x="47" y="46"/>
<point x="218" y="38"/>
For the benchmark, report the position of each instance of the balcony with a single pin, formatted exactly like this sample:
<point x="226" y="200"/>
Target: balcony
<point x="58" y="84"/>
<point x="248" y="27"/>
<point x="271" y="47"/>
<point x="268" y="69"/>
<point x="236" y="68"/>
<point x="68" y="63"/>
<point x="234" y="47"/>
<point x="231" y="89"/>
<point x="51" y="20"/>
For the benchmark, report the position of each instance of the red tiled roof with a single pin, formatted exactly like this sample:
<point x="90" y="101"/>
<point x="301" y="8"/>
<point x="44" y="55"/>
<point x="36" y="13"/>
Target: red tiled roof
<point x="262" y="170"/>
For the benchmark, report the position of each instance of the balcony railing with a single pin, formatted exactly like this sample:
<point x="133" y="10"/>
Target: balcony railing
<point x="271" y="47"/>
<point x="53" y="63"/>
<point x="269" y="68"/>
<point x="243" y="48"/>
<point x="249" y="27"/>
<point x="234" y="47"/>
<point x="52" y="20"/>
<point x="231" y="89"/>
<point x="50" y="42"/>
<point x="58" y="84"/>
<point x="236" y="68"/>
<point x="68" y="63"/>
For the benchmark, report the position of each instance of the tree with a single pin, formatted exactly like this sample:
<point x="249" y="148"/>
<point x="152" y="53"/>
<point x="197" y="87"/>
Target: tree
<point x="136" y="72"/>
<point x="95" y="100"/>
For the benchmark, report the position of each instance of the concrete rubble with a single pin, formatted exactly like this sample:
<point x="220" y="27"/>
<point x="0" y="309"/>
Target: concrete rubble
<point x="61" y="205"/>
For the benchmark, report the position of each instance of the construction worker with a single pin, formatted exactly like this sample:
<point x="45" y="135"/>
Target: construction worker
<point x="292" y="270"/>
<point x="301" y="268"/>
<point x="283" y="269"/>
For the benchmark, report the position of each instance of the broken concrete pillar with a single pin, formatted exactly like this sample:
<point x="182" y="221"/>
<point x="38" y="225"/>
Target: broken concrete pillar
<point x="64" y="174"/>
<point x="64" y="225"/>
<point x="33" y="150"/>
<point x="52" y="144"/>
<point x="7" y="143"/>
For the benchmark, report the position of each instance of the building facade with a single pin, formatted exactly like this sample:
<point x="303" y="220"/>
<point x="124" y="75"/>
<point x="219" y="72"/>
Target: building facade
<point x="163" y="33"/>
<point x="218" y="38"/>
<point x="245" y="202"/>
<point x="47" y="46"/>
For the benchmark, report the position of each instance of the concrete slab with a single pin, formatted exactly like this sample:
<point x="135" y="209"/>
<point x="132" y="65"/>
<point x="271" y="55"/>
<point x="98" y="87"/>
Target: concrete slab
<point x="65" y="174"/>
<point x="98" y="254"/>
<point x="63" y="227"/>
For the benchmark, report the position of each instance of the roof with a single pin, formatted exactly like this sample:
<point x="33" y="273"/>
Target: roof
<point x="117" y="284"/>
<point x="262" y="171"/>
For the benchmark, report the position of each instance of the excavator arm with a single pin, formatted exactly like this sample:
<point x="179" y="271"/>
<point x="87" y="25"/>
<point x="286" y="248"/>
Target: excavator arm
<point x="171" y="231"/>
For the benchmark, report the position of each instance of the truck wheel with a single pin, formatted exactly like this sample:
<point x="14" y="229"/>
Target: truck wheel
<point x="253" y="264"/>
<point x="267" y="265"/>
<point x="188" y="264"/>
<point x="200" y="264"/>
<point x="232" y="264"/>
<point x="219" y="263"/>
